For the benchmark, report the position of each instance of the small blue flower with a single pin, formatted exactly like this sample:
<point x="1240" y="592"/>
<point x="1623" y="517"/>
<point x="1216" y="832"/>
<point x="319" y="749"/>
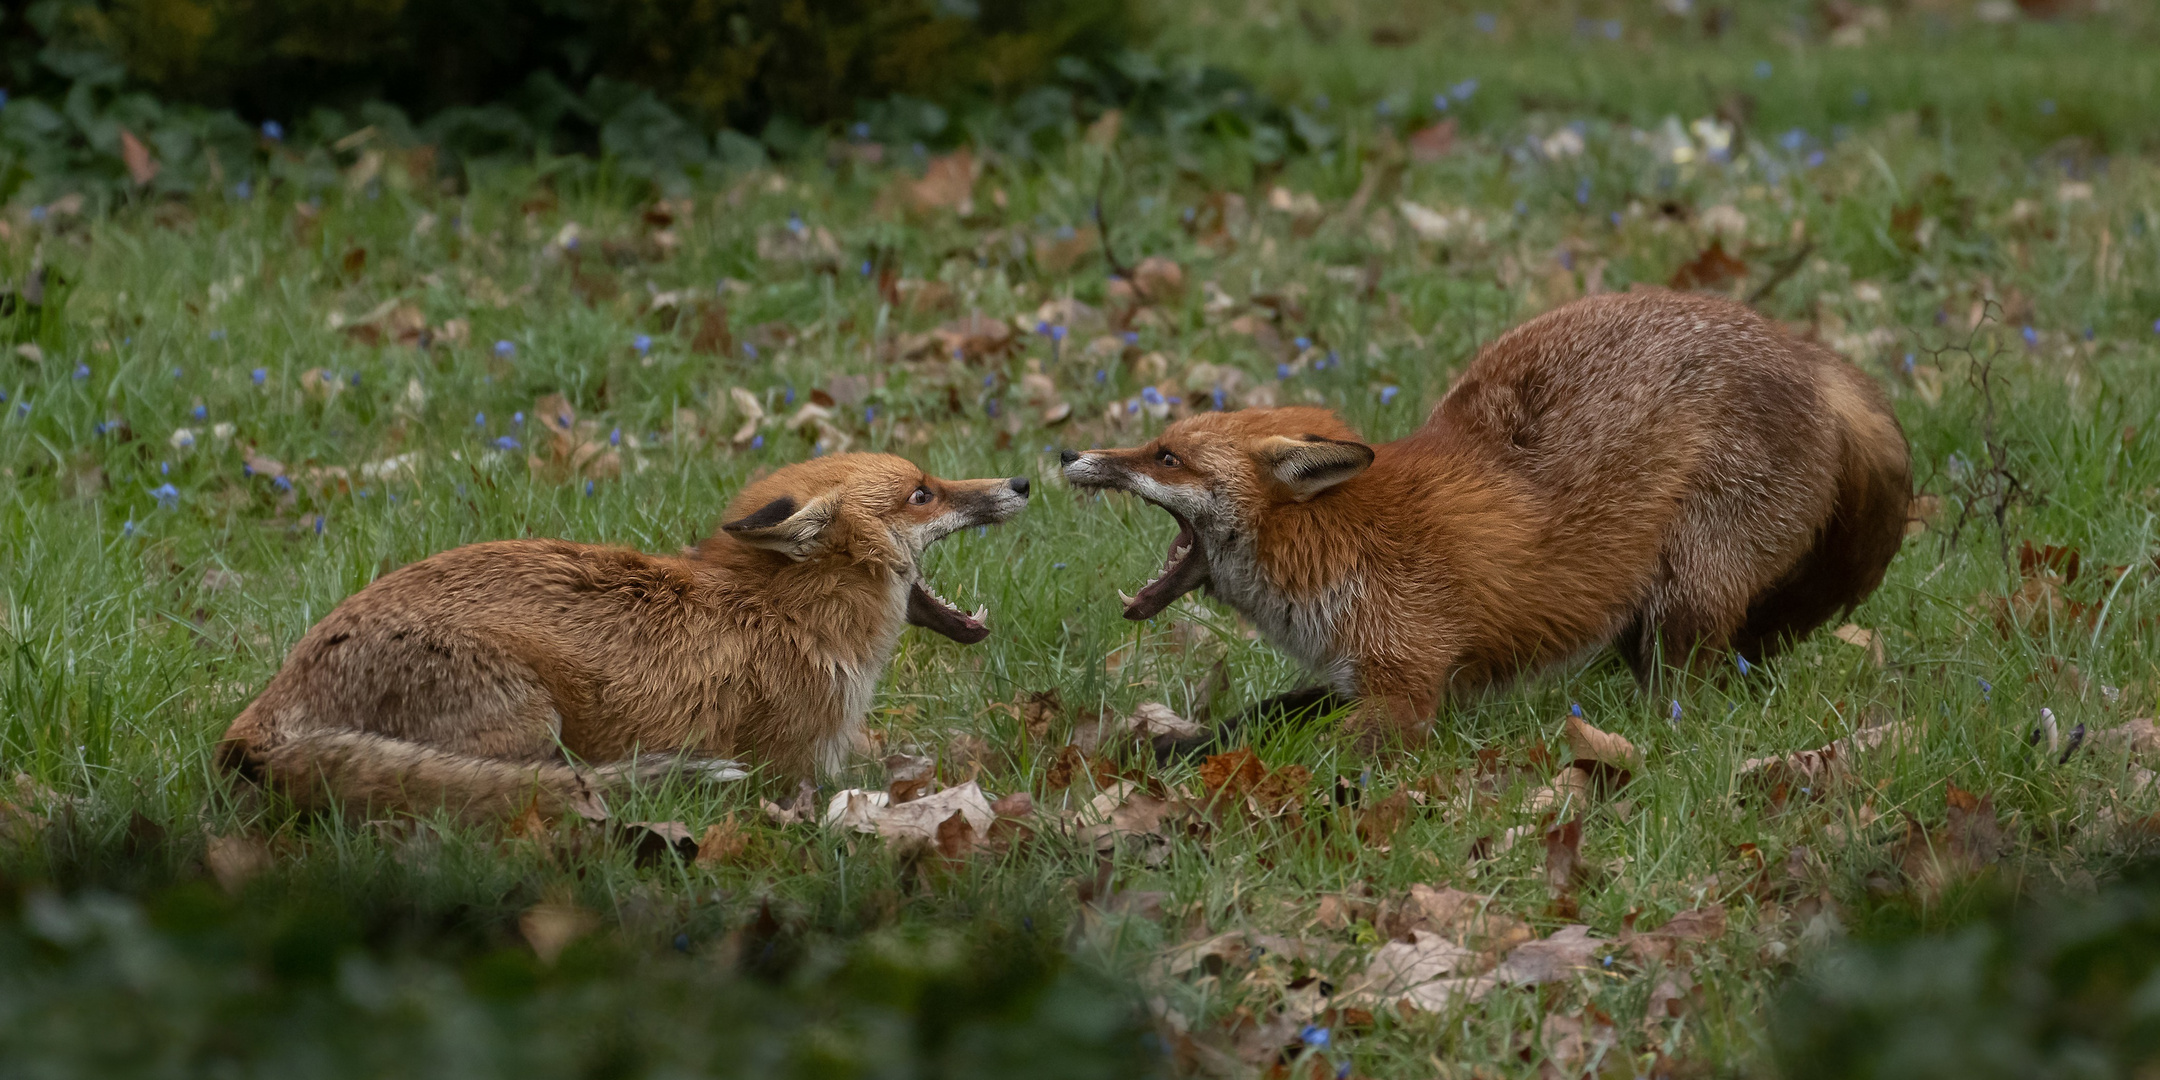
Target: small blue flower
<point x="82" y="371"/>
<point x="1612" y="29"/>
<point x="176" y="373"/>
<point x="319" y="524"/>
<point x="1439" y="101"/>
<point x="1387" y="393"/>
<point x="259" y="375"/>
<point x="1282" y="371"/>
<point x="562" y="420"/>
<point x="217" y="335"/>
<point x="1742" y="662"/>
<point x="614" y="436"/>
<point x="1614" y="217"/>
<point x="517" y="418"/>
<point x="1486" y="22"/>
<point x="1057" y="333"/>
<point x="2032" y="337"/>
<point x="1909" y="363"/>
<point x="1102" y="375"/>
<point x="1342" y="1071"/>
<point x="991" y="407"/>
<point x="757" y="442"/>
<point x="355" y="380"/>
<point x="1132" y="337"/>
<point x="1303" y="343"/>
<point x="789" y="395"/>
<point x="1676" y="711"/>
<point x="1132" y="406"/>
<point x="1815" y="159"/>
<point x="37" y="213"/>
<point x="281" y="483"/>
<point x="167" y="496"/>
<point x="1860" y="97"/>
<point x="1220" y="398"/>
<point x="990" y="379"/>
<point x="1582" y="192"/>
<point x="869" y="414"/>
<point x="588" y="489"/>
<point x="642" y="343"/>
<point x="1057" y="566"/>
<point x="1793" y="140"/>
<point x="1151" y="395"/>
<point x="860" y="130"/>
<point x="2156" y="326"/>
<point x="749" y="350"/>
<point x="479" y="419"/>
<point x="243" y="190"/>
<point x="1763" y="69"/>
<point x="273" y="131"/>
<point x="201" y="412"/>
<point x="2047" y="106"/>
<point x="1462" y="90"/>
<point x="1986" y="688"/>
<point x="506" y="442"/>
<point x="505" y="349"/>
<point x="866" y="268"/>
<point x="1575" y="709"/>
<point x="1331" y="360"/>
<point x="164" y="468"/>
<point x="1314" y="1035"/>
<point x="127" y="528"/>
<point x="795" y="223"/>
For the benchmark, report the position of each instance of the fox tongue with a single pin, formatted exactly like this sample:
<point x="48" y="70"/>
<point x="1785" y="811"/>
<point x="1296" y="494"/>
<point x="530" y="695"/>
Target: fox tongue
<point x="1186" y="568"/>
<point x="930" y="613"/>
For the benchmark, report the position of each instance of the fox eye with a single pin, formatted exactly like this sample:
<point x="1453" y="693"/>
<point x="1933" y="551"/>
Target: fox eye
<point x="921" y="497"/>
<point x="1168" y="460"/>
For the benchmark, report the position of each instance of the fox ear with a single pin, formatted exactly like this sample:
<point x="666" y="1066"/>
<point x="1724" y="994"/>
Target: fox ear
<point x="1311" y="465"/>
<point x="794" y="530"/>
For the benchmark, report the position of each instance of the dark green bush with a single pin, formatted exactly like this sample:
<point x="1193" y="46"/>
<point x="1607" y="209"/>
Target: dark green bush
<point x="734" y="63"/>
<point x="2063" y="988"/>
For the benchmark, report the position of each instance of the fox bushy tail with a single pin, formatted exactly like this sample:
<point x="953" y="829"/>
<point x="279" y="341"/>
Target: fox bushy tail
<point x="359" y="772"/>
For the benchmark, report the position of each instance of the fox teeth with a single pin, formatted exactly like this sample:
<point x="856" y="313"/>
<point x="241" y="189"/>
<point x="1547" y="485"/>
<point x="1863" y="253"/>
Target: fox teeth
<point x="982" y="613"/>
<point x="1128" y="601"/>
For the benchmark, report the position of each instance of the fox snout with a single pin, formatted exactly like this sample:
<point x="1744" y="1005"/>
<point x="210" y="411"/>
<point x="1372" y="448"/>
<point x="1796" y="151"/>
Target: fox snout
<point x="989" y="502"/>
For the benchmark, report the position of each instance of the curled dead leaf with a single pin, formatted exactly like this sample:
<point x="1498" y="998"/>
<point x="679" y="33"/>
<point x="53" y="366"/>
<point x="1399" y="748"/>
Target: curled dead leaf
<point x="235" y="860"/>
<point x="550" y="928"/>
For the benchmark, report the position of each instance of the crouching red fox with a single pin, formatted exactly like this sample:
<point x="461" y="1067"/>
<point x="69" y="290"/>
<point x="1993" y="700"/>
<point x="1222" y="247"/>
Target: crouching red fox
<point x="1664" y="473"/>
<point x="538" y="672"/>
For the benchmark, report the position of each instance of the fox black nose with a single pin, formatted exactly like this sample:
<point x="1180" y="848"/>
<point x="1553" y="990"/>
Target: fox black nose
<point x="1019" y="484"/>
<point x="1068" y="457"/>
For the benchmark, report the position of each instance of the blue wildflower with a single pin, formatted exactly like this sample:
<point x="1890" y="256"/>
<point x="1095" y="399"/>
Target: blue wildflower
<point x="164" y="468"/>
<point x="82" y="371"/>
<point x="1314" y="1035"/>
<point x="1486" y="22"/>
<point x="588" y="489"/>
<point x="795" y="223"/>
<point x="990" y="379"/>
<point x="1439" y="101"/>
<point x="1742" y="662"/>
<point x="37" y="213"/>
<point x="355" y="380"/>
<point x="1132" y="337"/>
<point x="127" y="528"/>
<point x="507" y="442"/>
<point x="1676" y="711"/>
<point x="1582" y="192"/>
<point x="642" y="343"/>
<point x="1282" y="371"/>
<point x="1219" y="399"/>
<point x="1057" y="333"/>
<point x="1909" y="363"/>
<point x="1575" y="709"/>
<point x="201" y="412"/>
<point x="281" y="483"/>
<point x="2047" y="106"/>
<point x="259" y="375"/>
<point x="1612" y="29"/>
<point x="318" y="524"/>
<point x="1461" y="91"/>
<point x="562" y="420"/>
<point x="1387" y="393"/>
<point x="869" y="414"/>
<point x="243" y="190"/>
<point x="217" y="335"/>
<point x="749" y="350"/>
<point x="2031" y="336"/>
<point x="1815" y="159"/>
<point x="167" y="496"/>
<point x="788" y="394"/>
<point x="1101" y="375"/>
<point x="866" y="268"/>
<point x="1303" y="343"/>
<point x="990" y="407"/>
<point x="505" y="349"/>
<point x="860" y="130"/>
<point x="614" y="437"/>
<point x="273" y="131"/>
<point x="1793" y="140"/>
<point x="1763" y="69"/>
<point x="757" y="442"/>
<point x="479" y="419"/>
<point x="517" y="418"/>
<point x="1986" y="688"/>
<point x="1057" y="566"/>
<point x="1151" y="395"/>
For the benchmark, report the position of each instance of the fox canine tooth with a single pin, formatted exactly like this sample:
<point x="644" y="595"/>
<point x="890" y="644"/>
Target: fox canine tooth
<point x="982" y="613"/>
<point x="1128" y="601"/>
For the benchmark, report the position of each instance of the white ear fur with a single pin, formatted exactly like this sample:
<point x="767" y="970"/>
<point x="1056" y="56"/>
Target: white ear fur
<point x="781" y="525"/>
<point x="1311" y="465"/>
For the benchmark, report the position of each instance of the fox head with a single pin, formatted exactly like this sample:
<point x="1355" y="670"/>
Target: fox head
<point x="1220" y="475"/>
<point x="875" y="509"/>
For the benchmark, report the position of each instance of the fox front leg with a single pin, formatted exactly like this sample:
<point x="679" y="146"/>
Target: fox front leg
<point x="1393" y="720"/>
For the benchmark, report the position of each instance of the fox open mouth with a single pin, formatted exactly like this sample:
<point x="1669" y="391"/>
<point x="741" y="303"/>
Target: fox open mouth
<point x="930" y="611"/>
<point x="1185" y="570"/>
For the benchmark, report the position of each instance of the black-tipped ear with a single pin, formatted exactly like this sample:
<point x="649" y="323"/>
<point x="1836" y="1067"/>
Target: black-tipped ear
<point x="1311" y="465"/>
<point x="782" y="526"/>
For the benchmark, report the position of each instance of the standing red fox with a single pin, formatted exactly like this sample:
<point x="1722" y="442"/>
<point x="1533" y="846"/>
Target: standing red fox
<point x="462" y="680"/>
<point x="1666" y="473"/>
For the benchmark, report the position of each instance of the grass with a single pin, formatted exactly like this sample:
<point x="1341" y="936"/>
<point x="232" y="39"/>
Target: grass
<point x="140" y="618"/>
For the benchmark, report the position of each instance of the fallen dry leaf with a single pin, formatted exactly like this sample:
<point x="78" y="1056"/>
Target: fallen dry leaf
<point x="1378" y="823"/>
<point x="235" y="860"/>
<point x="1817" y="772"/>
<point x="141" y="166"/>
<point x="915" y="821"/>
<point x="1570" y="949"/>
<point x="1564" y="867"/>
<point x="1587" y="743"/>
<point x="1399" y="966"/>
<point x="550" y="928"/>
<point x="947" y="184"/>
<point x="1574" y="1044"/>
<point x="724" y="842"/>
<point x="650" y="840"/>
<point x="1713" y="270"/>
<point x="795" y="809"/>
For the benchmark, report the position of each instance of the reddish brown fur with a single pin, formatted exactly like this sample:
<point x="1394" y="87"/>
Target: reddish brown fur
<point x="1667" y="473"/>
<point x="464" y="679"/>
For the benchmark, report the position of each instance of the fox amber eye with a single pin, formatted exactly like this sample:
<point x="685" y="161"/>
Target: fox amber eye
<point x="1168" y="460"/>
<point x="921" y="497"/>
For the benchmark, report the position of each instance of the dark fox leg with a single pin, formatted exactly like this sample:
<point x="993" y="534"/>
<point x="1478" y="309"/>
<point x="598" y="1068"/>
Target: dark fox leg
<point x="1305" y="703"/>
